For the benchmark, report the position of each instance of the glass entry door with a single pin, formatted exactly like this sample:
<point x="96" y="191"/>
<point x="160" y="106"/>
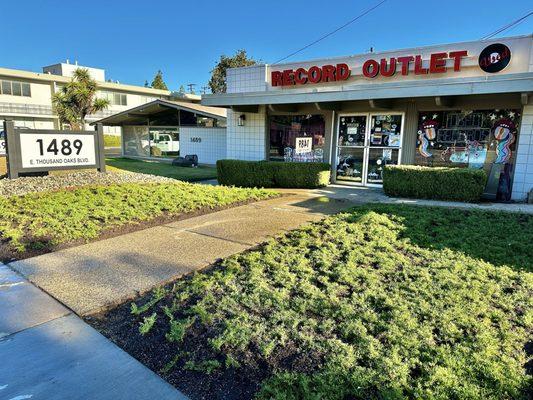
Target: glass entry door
<point x="366" y="143"/>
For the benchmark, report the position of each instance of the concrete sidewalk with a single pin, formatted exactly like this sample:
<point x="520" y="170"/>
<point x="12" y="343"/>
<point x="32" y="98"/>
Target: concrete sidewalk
<point x="49" y="353"/>
<point x="98" y="275"/>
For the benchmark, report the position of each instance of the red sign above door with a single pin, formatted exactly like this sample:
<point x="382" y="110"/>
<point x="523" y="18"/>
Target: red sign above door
<point x="371" y="69"/>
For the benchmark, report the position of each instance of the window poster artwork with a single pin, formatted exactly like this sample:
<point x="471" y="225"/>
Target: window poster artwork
<point x="352" y="131"/>
<point x="385" y="130"/>
<point x="481" y="139"/>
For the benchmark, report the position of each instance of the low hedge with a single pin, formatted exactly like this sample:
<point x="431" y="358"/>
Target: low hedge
<point x="436" y="183"/>
<point x="272" y="174"/>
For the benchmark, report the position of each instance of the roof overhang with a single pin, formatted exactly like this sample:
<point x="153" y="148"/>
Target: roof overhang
<point x="143" y="112"/>
<point x="510" y="83"/>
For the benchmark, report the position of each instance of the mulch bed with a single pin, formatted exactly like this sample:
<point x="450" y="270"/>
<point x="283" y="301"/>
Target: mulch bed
<point x="122" y="328"/>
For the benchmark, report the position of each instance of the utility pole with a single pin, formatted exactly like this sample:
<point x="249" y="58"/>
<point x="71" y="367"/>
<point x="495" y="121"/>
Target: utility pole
<point x="191" y="87"/>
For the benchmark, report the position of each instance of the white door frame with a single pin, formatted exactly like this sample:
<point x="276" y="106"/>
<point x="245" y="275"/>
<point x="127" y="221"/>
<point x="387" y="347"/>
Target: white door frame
<point x="366" y="147"/>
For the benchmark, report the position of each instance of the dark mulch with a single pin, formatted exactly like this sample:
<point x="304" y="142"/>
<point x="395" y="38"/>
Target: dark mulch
<point x="122" y="328"/>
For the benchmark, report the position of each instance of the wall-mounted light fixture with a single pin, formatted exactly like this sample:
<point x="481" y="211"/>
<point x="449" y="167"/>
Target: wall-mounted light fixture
<point x="241" y="120"/>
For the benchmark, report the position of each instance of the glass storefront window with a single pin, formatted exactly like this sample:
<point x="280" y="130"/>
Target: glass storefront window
<point x="352" y="130"/>
<point x="142" y="141"/>
<point x="136" y="140"/>
<point x="482" y="139"/>
<point x="164" y="142"/>
<point x="377" y="159"/>
<point x="350" y="164"/>
<point x="297" y="138"/>
<point x="385" y="130"/>
<point x="367" y="143"/>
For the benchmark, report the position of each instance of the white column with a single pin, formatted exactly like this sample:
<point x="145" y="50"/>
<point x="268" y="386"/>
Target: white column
<point x="523" y="176"/>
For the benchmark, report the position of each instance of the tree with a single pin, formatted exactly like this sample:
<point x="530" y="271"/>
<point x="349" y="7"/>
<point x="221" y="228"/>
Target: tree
<point x="77" y="99"/>
<point x="181" y="90"/>
<point x="146" y="84"/>
<point x="217" y="83"/>
<point x="158" y="82"/>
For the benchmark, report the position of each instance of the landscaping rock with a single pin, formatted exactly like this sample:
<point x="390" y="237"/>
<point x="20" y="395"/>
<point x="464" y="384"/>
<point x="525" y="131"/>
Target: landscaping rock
<point x="20" y="186"/>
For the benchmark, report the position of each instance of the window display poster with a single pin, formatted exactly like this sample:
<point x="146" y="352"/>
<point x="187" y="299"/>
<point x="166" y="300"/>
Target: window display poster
<point x="303" y="145"/>
<point x="394" y="140"/>
<point x="480" y="139"/>
<point x="387" y="154"/>
<point x="352" y="129"/>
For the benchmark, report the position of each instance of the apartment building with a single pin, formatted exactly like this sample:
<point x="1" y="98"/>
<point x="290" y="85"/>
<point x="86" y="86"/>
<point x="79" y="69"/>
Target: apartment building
<point x="26" y="97"/>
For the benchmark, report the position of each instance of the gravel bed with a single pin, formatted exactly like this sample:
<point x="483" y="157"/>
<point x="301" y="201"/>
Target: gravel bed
<point x="20" y="186"/>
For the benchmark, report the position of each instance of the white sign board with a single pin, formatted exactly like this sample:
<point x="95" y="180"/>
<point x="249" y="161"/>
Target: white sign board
<point x="57" y="150"/>
<point x="303" y="145"/>
<point x="352" y="130"/>
<point x="2" y="143"/>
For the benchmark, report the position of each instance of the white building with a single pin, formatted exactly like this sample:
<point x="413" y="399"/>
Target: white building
<point x="26" y="97"/>
<point x="461" y="104"/>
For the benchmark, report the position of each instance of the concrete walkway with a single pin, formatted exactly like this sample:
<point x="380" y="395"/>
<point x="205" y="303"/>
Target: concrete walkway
<point x="362" y="195"/>
<point x="98" y="275"/>
<point x="49" y="353"/>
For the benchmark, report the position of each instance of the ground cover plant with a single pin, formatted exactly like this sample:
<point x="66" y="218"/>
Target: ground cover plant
<point x="381" y="302"/>
<point x="42" y="221"/>
<point x="162" y="169"/>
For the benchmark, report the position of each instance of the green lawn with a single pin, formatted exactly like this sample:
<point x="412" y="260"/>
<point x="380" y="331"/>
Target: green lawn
<point x="162" y="169"/>
<point x="383" y="302"/>
<point x="111" y="141"/>
<point x="41" y="221"/>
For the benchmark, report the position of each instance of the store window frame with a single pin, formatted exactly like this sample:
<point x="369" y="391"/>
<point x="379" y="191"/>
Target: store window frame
<point x="366" y="147"/>
<point x="268" y="147"/>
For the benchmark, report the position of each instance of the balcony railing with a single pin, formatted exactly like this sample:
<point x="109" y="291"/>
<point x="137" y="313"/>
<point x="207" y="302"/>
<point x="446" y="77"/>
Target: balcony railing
<point x="35" y="109"/>
<point x="14" y="108"/>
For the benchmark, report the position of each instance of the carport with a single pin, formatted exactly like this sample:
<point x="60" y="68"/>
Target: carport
<point x="166" y="129"/>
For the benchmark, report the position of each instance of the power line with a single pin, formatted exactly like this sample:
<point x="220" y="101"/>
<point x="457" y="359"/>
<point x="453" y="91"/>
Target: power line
<point x="332" y="32"/>
<point x="505" y="27"/>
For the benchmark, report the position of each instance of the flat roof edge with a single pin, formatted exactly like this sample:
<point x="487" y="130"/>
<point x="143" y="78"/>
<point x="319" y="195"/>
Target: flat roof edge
<point x="510" y="83"/>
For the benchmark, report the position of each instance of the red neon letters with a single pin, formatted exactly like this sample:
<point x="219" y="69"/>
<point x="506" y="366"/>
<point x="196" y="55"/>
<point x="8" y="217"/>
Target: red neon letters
<point x="437" y="64"/>
<point x="301" y="76"/>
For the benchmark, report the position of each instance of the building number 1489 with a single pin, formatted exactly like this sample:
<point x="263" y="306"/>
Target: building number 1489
<point x="65" y="148"/>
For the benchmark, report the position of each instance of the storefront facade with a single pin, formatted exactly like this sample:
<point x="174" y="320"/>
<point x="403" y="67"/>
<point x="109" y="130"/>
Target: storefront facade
<point x="464" y="104"/>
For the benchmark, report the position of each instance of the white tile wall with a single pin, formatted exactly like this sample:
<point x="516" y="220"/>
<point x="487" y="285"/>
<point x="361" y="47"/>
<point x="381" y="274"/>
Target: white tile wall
<point x="247" y="142"/>
<point x="523" y="176"/>
<point x="246" y="79"/>
<point x="211" y="148"/>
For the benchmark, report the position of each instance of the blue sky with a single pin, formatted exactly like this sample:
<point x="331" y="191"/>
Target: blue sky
<point x="133" y="39"/>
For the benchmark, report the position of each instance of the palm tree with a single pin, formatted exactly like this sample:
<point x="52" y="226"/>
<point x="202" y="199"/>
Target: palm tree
<point x="77" y="99"/>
